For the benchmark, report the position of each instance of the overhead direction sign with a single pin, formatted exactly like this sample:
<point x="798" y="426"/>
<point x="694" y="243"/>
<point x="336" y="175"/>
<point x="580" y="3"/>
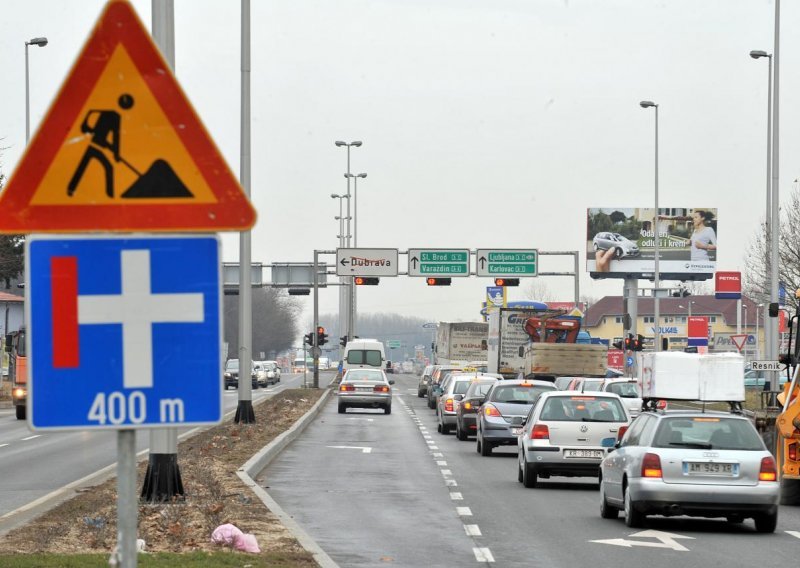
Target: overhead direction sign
<point x="121" y="149"/>
<point x="438" y="262"/>
<point x="124" y="332"/>
<point x="366" y="262"/>
<point x="507" y="262"/>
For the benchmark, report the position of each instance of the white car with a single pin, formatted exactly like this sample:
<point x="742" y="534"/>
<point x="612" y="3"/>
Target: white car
<point x="621" y="245"/>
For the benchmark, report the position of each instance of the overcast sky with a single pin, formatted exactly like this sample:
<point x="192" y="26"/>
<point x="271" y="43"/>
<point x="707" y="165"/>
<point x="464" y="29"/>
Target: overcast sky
<point x="485" y="123"/>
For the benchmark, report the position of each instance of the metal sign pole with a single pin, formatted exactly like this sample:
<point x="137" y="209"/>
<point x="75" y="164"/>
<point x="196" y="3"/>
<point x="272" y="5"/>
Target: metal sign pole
<point x="315" y="350"/>
<point x="127" y="505"/>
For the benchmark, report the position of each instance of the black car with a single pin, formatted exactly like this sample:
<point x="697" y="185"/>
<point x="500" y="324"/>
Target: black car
<point x="467" y="412"/>
<point x="232" y="375"/>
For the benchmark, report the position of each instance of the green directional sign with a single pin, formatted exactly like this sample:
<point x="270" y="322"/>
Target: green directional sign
<point x="438" y="262"/>
<point x="393" y="344"/>
<point x="507" y="262"/>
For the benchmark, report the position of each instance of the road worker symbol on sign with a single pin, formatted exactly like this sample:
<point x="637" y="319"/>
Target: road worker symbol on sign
<point x="121" y="148"/>
<point x="104" y="126"/>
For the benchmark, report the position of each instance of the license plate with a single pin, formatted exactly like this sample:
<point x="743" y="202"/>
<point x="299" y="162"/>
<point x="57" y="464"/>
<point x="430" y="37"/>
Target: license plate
<point x="364" y="389"/>
<point x="597" y="454"/>
<point x="710" y="468"/>
<point x="516" y="431"/>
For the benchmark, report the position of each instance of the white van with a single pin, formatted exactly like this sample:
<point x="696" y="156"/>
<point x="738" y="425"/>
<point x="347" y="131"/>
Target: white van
<point x="364" y="354"/>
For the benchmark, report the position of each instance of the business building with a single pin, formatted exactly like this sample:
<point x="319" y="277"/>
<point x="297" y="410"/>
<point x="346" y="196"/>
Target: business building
<point x="604" y="319"/>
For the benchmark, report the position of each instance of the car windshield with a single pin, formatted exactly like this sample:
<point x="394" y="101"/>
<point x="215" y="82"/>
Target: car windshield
<point x="364" y="357"/>
<point x="519" y="394"/>
<point x="708" y="433"/>
<point x="592" y="385"/>
<point x="363" y="375"/>
<point x="232" y="365"/>
<point x="583" y="409"/>
<point x="478" y="389"/>
<point x="625" y="390"/>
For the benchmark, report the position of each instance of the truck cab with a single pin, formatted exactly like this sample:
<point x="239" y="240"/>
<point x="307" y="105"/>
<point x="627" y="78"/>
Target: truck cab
<point x="18" y="370"/>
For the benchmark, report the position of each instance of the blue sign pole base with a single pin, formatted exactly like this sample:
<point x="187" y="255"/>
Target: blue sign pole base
<point x="245" y="413"/>
<point x="162" y="481"/>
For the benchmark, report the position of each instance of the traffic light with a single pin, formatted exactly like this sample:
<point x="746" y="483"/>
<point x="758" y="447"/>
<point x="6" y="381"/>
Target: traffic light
<point x="617" y="344"/>
<point x="638" y="343"/>
<point x="322" y="337"/>
<point x="309" y="338"/>
<point x="299" y="291"/>
<point x="365" y="281"/>
<point x="629" y="342"/>
<point x="506" y="281"/>
<point x="343" y="341"/>
<point x="438" y="281"/>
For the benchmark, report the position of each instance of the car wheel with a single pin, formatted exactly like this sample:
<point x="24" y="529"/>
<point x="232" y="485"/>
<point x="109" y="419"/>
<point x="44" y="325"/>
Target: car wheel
<point x="594" y="245"/>
<point x="342" y="408"/>
<point x="618" y="252"/>
<point x="20" y="411"/>
<point x="633" y="518"/>
<point x="420" y="394"/>
<point x="519" y="467"/>
<point x="529" y="477"/>
<point x="446" y="428"/>
<point x="486" y="448"/>
<point x="766" y="522"/>
<point x="606" y="511"/>
<point x="387" y="409"/>
<point x="439" y="427"/>
<point x="460" y="434"/>
<point x="431" y="404"/>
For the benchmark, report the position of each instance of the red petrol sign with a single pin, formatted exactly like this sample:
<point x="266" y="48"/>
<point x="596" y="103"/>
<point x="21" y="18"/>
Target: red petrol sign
<point x="728" y="285"/>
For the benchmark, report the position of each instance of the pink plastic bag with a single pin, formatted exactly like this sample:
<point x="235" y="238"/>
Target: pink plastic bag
<point x="231" y="535"/>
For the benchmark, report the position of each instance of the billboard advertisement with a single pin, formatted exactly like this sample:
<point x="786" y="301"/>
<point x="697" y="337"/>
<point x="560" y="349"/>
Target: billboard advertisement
<point x="620" y="243"/>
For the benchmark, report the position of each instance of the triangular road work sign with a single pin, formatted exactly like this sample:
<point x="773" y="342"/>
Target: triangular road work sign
<point x="739" y="341"/>
<point x="121" y="149"/>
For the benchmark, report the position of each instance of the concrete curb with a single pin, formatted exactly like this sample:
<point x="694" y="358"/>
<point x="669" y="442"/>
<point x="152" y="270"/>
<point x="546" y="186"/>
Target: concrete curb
<point x="259" y="461"/>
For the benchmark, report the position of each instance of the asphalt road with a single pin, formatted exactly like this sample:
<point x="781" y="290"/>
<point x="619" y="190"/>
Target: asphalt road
<point x="35" y="464"/>
<point x="374" y="490"/>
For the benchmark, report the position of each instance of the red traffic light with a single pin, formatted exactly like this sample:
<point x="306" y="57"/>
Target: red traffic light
<point x="365" y="281"/>
<point x="438" y="281"/>
<point x="506" y="281"/>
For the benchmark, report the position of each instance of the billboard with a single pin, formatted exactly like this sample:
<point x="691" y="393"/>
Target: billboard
<point x="620" y="243"/>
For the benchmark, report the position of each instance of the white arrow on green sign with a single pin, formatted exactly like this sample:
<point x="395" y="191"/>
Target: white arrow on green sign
<point x="438" y="262"/>
<point x="507" y="262"/>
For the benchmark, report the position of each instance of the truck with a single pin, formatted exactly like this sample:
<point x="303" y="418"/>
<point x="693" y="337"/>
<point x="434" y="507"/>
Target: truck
<point x="506" y="335"/>
<point x="18" y="370"/>
<point x="553" y="350"/>
<point x="458" y="343"/>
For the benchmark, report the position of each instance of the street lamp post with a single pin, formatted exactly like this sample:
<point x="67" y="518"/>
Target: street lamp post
<point x="355" y="204"/>
<point x="687" y="307"/>
<point x="340" y="218"/>
<point x="41" y="42"/>
<point x="657" y="329"/>
<point x="351" y="293"/>
<point x="758" y="344"/>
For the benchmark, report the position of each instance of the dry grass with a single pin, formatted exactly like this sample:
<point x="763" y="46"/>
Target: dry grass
<point x="214" y="495"/>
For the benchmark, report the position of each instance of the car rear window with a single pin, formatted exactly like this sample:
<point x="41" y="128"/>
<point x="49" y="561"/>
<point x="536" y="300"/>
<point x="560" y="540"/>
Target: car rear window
<point x="364" y="375"/>
<point x="364" y="357"/>
<point x="707" y="432"/>
<point x="592" y="385"/>
<point x="583" y="409"/>
<point x="461" y="387"/>
<point x="478" y="389"/>
<point x="625" y="390"/>
<point x="520" y="394"/>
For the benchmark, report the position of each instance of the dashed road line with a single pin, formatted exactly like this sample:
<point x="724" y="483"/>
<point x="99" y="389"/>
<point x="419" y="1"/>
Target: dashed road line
<point x="446" y="473"/>
<point x="795" y="534"/>
<point x="483" y="555"/>
<point x="31" y="437"/>
<point x="472" y="530"/>
<point x="464" y="511"/>
<point x="456" y="496"/>
<point x="3" y="445"/>
<point x="450" y="483"/>
<point x="441" y="463"/>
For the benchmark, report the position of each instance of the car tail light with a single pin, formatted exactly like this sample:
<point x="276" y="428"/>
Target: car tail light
<point x="381" y="388"/>
<point x="468" y="407"/>
<point x="19" y="392"/>
<point x="651" y="465"/>
<point x="661" y="405"/>
<point x="768" y="471"/>
<point x="793" y="451"/>
<point x="621" y="432"/>
<point x="448" y="405"/>
<point x="347" y="388"/>
<point x="540" y="432"/>
<point x="491" y="411"/>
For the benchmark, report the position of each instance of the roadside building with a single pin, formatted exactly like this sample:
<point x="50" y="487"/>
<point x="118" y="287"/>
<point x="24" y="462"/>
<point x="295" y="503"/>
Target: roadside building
<point x="604" y="319"/>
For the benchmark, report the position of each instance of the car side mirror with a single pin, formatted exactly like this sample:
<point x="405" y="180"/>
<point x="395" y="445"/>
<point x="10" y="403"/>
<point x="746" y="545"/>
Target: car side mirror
<point x="458" y="397"/>
<point x="524" y="421"/>
<point x="9" y="343"/>
<point x="391" y="381"/>
<point x="617" y="443"/>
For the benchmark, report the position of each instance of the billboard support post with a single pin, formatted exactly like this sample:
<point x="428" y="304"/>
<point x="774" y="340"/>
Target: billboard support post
<point x="739" y="316"/>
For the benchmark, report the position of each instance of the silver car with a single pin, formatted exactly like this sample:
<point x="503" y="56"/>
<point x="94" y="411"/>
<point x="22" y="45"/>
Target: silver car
<point x="622" y="246"/>
<point x="568" y="433"/>
<point x="701" y="464"/>
<point x="506" y="405"/>
<point x="365" y="388"/>
<point x="629" y="390"/>
<point x="453" y="390"/>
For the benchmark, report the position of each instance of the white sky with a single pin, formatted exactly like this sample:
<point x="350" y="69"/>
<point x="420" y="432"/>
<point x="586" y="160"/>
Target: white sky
<point x="485" y="123"/>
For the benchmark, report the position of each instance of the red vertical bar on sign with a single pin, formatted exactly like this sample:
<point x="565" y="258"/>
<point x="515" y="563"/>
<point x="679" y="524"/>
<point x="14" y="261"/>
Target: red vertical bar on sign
<point x="64" y="295"/>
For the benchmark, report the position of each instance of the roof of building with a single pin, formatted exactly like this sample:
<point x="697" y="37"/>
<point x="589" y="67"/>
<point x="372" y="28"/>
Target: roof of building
<point x="701" y="306"/>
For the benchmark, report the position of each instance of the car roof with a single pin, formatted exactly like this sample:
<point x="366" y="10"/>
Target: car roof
<point x="591" y="394"/>
<point x="685" y="413"/>
<point x="523" y="381"/>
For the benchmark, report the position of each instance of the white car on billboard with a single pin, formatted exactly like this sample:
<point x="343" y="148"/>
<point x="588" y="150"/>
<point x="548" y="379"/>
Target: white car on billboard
<point x="622" y="246"/>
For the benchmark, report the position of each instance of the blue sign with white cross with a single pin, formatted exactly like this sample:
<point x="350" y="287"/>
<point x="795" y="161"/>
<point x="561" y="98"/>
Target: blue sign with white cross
<point x="123" y="332"/>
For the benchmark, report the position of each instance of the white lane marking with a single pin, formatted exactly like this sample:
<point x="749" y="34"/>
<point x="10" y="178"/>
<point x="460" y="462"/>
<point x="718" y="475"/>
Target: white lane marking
<point x="438" y="454"/>
<point x="3" y="445"/>
<point x="472" y="530"/>
<point x="411" y="390"/>
<point x="446" y="472"/>
<point x="441" y="463"/>
<point x="427" y="437"/>
<point x="367" y="419"/>
<point x="483" y="555"/>
<point x="429" y="441"/>
<point x="31" y="437"/>
<point x="450" y="483"/>
<point x="364" y="450"/>
<point x="456" y="496"/>
<point x="463" y="511"/>
<point x="795" y="534"/>
<point x="665" y="540"/>
<point x="433" y="447"/>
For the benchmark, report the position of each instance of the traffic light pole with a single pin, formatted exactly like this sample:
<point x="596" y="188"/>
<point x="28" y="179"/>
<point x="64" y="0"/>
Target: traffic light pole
<point x="315" y="348"/>
<point x="630" y="299"/>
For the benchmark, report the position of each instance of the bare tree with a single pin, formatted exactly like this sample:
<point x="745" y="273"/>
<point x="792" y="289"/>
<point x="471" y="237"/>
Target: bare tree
<point x="538" y="290"/>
